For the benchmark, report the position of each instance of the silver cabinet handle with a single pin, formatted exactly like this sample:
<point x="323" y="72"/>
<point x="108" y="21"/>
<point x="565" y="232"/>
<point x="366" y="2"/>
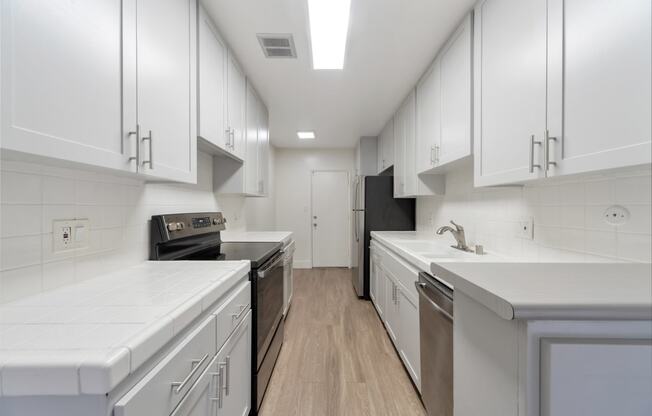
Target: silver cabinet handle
<point x="228" y="371"/>
<point x="150" y="161"/>
<point x="532" y="143"/>
<point x="232" y="138"/>
<point x="137" y="134"/>
<point x="196" y="366"/>
<point x="547" y="162"/>
<point x="432" y="155"/>
<point x="221" y="386"/>
<point x="243" y="309"/>
<point x="218" y="396"/>
<point x="228" y="136"/>
<point x="437" y="153"/>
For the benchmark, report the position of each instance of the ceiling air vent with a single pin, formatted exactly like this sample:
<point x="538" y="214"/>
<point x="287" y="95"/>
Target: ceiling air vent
<point x="277" y="45"/>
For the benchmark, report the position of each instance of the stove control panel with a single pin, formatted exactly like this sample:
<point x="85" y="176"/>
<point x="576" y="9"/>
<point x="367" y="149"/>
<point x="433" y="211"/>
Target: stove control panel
<point x="185" y="225"/>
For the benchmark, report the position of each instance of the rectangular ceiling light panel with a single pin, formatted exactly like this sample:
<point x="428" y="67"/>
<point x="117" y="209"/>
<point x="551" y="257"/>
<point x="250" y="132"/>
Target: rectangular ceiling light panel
<point x="329" y="27"/>
<point x="306" y="135"/>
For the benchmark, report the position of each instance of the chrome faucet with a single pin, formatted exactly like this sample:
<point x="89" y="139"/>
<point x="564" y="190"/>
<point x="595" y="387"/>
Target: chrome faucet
<point x="458" y="233"/>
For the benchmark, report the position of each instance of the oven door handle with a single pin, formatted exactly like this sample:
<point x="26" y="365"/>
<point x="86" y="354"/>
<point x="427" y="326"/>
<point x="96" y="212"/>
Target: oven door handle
<point x="263" y="273"/>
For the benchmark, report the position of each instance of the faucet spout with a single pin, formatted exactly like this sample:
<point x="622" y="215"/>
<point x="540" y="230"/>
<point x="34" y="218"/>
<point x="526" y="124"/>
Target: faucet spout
<point x="458" y="233"/>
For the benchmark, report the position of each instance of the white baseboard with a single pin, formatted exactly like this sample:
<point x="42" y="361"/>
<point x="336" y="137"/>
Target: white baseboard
<point x="302" y="264"/>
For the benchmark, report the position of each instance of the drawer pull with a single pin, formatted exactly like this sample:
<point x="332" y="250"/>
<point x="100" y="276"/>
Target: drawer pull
<point x="218" y="396"/>
<point x="243" y="308"/>
<point x="180" y="385"/>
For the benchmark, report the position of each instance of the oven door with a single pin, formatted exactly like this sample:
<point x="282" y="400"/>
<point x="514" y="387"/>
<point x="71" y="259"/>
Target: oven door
<point x="269" y="297"/>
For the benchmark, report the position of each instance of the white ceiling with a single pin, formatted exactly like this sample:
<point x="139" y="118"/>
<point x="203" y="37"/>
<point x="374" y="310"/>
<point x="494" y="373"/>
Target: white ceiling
<point x="390" y="44"/>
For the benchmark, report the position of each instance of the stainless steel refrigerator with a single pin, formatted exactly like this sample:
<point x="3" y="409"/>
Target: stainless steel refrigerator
<point x="376" y="209"/>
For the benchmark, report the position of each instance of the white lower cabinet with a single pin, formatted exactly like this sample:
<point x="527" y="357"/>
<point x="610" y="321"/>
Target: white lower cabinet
<point x="391" y="307"/>
<point x="224" y="388"/>
<point x="398" y="307"/>
<point x="409" y="341"/>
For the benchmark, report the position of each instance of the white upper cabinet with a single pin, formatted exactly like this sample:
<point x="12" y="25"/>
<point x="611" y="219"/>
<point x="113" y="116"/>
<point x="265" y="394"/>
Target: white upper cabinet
<point x="429" y="117"/>
<point x="231" y="176"/>
<point x="455" y="68"/>
<point x="561" y="87"/>
<point x="108" y="90"/>
<point x="444" y="104"/>
<point x="252" y="185"/>
<point x="599" y="92"/>
<point x="399" y="152"/>
<point x="263" y="150"/>
<point x="509" y="90"/>
<point x="61" y="78"/>
<point x="236" y="102"/>
<point x="164" y="109"/>
<point x="407" y="183"/>
<point x="213" y="55"/>
<point x="386" y="146"/>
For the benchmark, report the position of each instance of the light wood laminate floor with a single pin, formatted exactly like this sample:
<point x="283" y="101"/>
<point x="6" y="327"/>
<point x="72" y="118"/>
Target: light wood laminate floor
<point x="337" y="358"/>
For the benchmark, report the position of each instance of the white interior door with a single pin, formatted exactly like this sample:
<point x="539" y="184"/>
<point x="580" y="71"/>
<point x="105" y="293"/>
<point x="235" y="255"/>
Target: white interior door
<point x="331" y="246"/>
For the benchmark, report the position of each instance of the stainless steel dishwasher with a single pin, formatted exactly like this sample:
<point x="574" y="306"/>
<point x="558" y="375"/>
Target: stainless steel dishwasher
<point x="436" y="329"/>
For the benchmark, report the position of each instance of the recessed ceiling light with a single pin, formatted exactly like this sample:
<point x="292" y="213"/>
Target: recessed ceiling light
<point x="329" y="26"/>
<point x="306" y="135"/>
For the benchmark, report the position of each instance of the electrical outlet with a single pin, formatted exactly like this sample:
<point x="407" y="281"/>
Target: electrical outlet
<point x="70" y="234"/>
<point x="616" y="215"/>
<point x="525" y="229"/>
<point x="63" y="234"/>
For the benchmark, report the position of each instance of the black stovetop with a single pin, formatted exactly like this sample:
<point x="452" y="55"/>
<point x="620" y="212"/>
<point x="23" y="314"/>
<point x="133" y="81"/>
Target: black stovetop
<point x="256" y="253"/>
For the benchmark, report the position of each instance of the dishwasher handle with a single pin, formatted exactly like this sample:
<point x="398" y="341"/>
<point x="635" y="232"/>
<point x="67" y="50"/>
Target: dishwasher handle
<point x="420" y="288"/>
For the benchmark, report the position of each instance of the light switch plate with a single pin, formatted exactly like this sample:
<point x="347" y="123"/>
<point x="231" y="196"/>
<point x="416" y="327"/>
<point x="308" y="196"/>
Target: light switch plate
<point x="81" y="233"/>
<point x="525" y="229"/>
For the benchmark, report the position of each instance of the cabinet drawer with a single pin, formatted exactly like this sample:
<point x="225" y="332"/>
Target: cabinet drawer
<point x="162" y="389"/>
<point x="232" y="312"/>
<point x="405" y="274"/>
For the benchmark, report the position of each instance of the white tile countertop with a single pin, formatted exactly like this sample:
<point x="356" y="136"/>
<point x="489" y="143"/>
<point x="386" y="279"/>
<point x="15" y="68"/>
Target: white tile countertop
<point x="607" y="291"/>
<point x="256" y="237"/>
<point x="87" y="337"/>
<point x="421" y="249"/>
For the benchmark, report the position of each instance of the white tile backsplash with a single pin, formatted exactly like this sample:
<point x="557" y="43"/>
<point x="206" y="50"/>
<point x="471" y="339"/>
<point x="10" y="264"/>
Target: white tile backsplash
<point x="568" y="215"/>
<point x="118" y="209"/>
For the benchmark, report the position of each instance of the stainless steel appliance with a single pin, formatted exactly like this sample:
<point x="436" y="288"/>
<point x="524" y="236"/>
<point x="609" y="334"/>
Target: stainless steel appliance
<point x="375" y="209"/>
<point x="436" y="330"/>
<point x="196" y="236"/>
<point x="288" y="277"/>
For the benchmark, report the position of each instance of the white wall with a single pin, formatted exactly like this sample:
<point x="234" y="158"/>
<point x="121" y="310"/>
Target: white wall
<point x="293" y="197"/>
<point x="568" y="216"/>
<point x="260" y="213"/>
<point x="118" y="209"/>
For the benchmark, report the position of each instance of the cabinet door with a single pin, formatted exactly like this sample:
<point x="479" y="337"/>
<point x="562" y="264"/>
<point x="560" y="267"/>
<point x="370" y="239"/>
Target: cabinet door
<point x="201" y="399"/>
<point x="234" y="361"/>
<point x="456" y="98"/>
<point x="410" y="148"/>
<point x="373" y="276"/>
<point x="165" y="84"/>
<point x="600" y="96"/>
<point x="509" y="90"/>
<point x="409" y="340"/>
<point x="61" y="77"/>
<point x="252" y="185"/>
<point x="399" y="152"/>
<point x="389" y="144"/>
<point x="212" y="56"/>
<point x="236" y="106"/>
<point x="391" y="307"/>
<point x="263" y="149"/>
<point x="429" y="117"/>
